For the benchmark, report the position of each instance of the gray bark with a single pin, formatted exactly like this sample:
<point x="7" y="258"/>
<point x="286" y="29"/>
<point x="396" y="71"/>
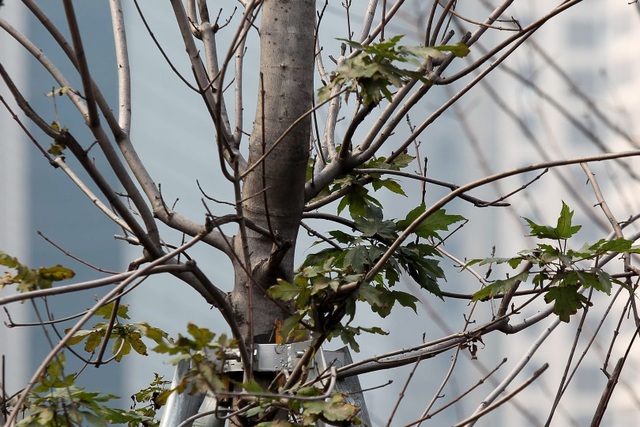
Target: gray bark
<point x="275" y="188"/>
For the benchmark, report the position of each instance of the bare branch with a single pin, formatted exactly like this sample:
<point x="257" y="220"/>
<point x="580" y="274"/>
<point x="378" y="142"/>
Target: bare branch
<point x="207" y="32"/>
<point x="91" y="284"/>
<point x="521" y="35"/>
<point x="59" y="161"/>
<point x="368" y="20"/>
<point x="374" y="270"/>
<point x="70" y="333"/>
<point x="204" y="84"/>
<point x="124" y="72"/>
<point x="98" y="132"/>
<point x="472" y="420"/>
<point x="607" y="392"/>
<point x="82" y="66"/>
<point x="426" y="416"/>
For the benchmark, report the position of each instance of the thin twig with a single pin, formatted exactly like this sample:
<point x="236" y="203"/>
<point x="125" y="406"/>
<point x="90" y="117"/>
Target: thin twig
<point x="91" y="284"/>
<point x="472" y="419"/>
<point x="70" y="255"/>
<point x="70" y="333"/>
<point x="526" y="358"/>
<point x="481" y="381"/>
<point x="483" y="181"/>
<point x="607" y="393"/>
<point x="403" y="391"/>
<point x="566" y="378"/>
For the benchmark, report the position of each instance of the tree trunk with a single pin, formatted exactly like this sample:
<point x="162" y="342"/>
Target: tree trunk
<point x="273" y="192"/>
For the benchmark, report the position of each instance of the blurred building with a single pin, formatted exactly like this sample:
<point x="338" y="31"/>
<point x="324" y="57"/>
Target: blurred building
<point x="570" y="92"/>
<point x="37" y="198"/>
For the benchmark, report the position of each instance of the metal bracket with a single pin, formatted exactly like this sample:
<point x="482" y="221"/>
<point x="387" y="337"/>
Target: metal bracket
<point x="269" y="357"/>
<point x="284" y="357"/>
<point x="350" y="386"/>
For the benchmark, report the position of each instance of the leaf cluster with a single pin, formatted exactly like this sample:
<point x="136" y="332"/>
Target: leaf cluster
<point x="316" y="295"/>
<point x="29" y="279"/>
<point x="373" y="70"/>
<point x="125" y="336"/>
<point x="205" y="354"/>
<point x="334" y="410"/>
<point x="358" y="197"/>
<point x="152" y="399"/>
<point x="58" y="146"/>
<point x="559" y="271"/>
<point x="199" y="347"/>
<point x="56" y="400"/>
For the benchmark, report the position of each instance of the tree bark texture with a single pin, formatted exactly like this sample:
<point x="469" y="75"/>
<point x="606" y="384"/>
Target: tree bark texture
<point x="273" y="192"/>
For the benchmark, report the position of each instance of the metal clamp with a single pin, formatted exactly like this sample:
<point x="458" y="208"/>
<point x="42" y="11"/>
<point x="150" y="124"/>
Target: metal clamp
<point x="269" y="357"/>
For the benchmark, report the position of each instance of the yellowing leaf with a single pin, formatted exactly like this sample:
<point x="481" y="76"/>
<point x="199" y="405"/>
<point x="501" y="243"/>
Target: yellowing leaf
<point x="59" y="91"/>
<point x="56" y="273"/>
<point x="93" y="341"/>
<point x="137" y="344"/>
<point x="79" y="336"/>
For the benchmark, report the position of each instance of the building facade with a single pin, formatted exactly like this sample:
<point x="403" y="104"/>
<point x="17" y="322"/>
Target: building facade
<point x="40" y="202"/>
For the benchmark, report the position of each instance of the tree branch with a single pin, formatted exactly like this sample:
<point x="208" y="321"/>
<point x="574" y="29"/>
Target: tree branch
<point x="475" y="417"/>
<point x="446" y="199"/>
<point x="122" y="60"/>
<point x="64" y="341"/>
